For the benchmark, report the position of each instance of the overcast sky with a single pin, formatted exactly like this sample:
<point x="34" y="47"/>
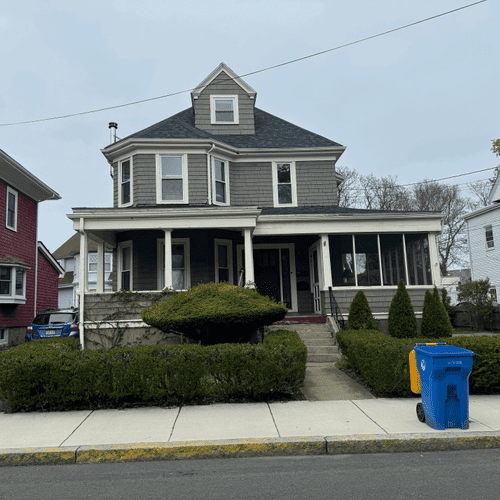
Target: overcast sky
<point x="419" y="103"/>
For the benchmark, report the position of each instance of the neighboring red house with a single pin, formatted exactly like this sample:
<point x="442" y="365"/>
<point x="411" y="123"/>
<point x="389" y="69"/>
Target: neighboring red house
<point x="28" y="271"/>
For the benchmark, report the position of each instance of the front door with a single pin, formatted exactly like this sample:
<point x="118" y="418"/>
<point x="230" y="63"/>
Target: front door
<point x="315" y="283"/>
<point x="274" y="271"/>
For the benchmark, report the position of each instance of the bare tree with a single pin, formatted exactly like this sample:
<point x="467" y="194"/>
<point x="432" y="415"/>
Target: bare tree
<point x="348" y="189"/>
<point x="481" y="190"/>
<point x="382" y="193"/>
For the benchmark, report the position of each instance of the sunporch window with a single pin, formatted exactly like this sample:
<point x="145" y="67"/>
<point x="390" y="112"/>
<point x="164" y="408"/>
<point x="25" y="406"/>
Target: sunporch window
<point x="380" y="259"/>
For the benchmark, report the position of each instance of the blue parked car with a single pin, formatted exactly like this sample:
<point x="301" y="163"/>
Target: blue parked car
<point x="52" y="323"/>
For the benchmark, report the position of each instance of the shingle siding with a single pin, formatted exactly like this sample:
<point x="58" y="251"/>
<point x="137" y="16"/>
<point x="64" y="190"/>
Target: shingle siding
<point x="316" y="185"/>
<point x="144" y="179"/>
<point x="251" y="184"/>
<point x="220" y="86"/>
<point x="197" y="179"/>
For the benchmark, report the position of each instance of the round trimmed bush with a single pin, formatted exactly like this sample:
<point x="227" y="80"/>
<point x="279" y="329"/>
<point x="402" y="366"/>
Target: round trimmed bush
<point x="215" y="313"/>
<point x="360" y="314"/>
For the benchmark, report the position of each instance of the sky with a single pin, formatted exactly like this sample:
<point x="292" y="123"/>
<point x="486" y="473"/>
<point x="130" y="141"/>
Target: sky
<point x="417" y="103"/>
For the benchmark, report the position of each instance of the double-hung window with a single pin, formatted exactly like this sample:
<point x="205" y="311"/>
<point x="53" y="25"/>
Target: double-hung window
<point x="284" y="184"/>
<point x="125" y="183"/>
<point x="125" y="281"/>
<point x="12" y="284"/>
<point x="220" y="186"/>
<point x="172" y="179"/>
<point x="488" y="231"/>
<point x="224" y="109"/>
<point x="223" y="261"/>
<point x="181" y="275"/>
<point x="11" y="220"/>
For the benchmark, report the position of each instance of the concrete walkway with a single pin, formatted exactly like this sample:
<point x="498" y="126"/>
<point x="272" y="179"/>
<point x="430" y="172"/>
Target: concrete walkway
<point x="238" y="430"/>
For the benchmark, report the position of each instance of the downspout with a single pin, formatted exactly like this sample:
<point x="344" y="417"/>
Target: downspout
<point x="36" y="261"/>
<point x="81" y="282"/>
<point x="209" y="178"/>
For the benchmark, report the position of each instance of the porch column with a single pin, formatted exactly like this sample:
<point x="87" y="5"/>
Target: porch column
<point x="168" y="259"/>
<point x="249" y="271"/>
<point x="325" y="261"/>
<point x="82" y="279"/>
<point x="434" y="256"/>
<point x="100" y="267"/>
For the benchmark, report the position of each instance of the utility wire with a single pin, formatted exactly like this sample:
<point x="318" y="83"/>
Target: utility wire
<point x="251" y="73"/>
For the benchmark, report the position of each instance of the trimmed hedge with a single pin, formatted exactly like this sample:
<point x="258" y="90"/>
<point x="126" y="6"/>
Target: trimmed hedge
<point x="215" y="313"/>
<point x="383" y="361"/>
<point x="57" y="375"/>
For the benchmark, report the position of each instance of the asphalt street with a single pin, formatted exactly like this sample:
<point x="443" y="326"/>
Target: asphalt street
<point x="445" y="475"/>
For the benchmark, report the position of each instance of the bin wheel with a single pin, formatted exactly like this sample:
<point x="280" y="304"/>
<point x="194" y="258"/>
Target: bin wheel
<point x="420" y="412"/>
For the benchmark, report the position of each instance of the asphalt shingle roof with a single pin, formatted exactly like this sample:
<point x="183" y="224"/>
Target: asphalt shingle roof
<point x="270" y="132"/>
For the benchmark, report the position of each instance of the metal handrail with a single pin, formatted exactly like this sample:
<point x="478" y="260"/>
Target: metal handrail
<point x="335" y="311"/>
<point x="241" y="277"/>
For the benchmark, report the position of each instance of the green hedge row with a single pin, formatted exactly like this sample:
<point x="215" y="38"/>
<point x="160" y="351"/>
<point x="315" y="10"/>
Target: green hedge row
<point x="382" y="361"/>
<point x="57" y="375"/>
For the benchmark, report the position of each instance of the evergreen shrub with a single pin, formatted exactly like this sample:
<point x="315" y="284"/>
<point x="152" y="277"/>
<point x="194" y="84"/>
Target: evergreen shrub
<point x="402" y="322"/>
<point x="435" y="320"/>
<point x="214" y="313"/>
<point x="360" y="314"/>
<point x="45" y="375"/>
<point x="383" y="362"/>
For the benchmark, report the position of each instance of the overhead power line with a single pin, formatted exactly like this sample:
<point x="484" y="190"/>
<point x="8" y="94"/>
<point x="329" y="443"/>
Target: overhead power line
<point x="252" y="72"/>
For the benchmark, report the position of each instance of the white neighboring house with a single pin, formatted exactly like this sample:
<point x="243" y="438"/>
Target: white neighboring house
<point x="454" y="278"/>
<point x="68" y="256"/>
<point x="483" y="234"/>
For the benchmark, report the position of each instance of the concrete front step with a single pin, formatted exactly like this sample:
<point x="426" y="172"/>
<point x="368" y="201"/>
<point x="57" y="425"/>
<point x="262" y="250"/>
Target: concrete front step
<point x="324" y="358"/>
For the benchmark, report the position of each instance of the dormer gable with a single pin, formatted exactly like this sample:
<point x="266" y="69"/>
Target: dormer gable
<point x="224" y="104"/>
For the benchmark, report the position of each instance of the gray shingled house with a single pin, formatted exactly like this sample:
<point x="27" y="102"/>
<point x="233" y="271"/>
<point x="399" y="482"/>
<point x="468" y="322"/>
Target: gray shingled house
<point x="224" y="191"/>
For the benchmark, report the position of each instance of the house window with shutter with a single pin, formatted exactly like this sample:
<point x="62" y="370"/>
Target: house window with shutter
<point x="489" y="237"/>
<point x="224" y="109"/>
<point x="172" y="179"/>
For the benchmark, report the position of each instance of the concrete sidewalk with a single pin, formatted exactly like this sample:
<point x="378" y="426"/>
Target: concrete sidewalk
<point x="238" y="430"/>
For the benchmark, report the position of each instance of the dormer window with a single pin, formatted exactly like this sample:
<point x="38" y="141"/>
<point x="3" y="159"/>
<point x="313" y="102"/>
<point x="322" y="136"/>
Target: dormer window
<point x="224" y="109"/>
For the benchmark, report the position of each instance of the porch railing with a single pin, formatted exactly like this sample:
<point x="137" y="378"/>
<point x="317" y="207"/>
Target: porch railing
<point x="241" y="278"/>
<point x="335" y="311"/>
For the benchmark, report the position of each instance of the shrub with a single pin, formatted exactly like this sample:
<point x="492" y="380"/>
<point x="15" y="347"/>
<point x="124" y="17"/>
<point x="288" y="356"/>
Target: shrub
<point x="478" y="302"/>
<point x="384" y="365"/>
<point x="58" y="376"/>
<point x="402" y="322"/>
<point x="215" y="313"/>
<point x="446" y="300"/>
<point x="360" y="314"/>
<point x="435" y="320"/>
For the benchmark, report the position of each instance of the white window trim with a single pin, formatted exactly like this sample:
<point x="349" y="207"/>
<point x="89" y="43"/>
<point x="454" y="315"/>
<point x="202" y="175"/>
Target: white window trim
<point x="16" y="195"/>
<point x="293" y="178"/>
<point x="489" y="227"/>
<point x="226" y="171"/>
<point x="213" y="98"/>
<point x="229" y="245"/>
<point x="12" y="298"/>
<point x="185" y="191"/>
<point x="121" y="246"/>
<point x="120" y="204"/>
<point x="160" y="253"/>
<point x="5" y="339"/>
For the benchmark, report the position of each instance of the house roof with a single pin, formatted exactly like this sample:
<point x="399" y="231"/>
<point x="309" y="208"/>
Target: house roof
<point x="72" y="246"/>
<point x="9" y="259"/>
<point x="270" y="132"/>
<point x="335" y="210"/>
<point x="23" y="180"/>
<point x="67" y="279"/>
<point x="49" y="257"/>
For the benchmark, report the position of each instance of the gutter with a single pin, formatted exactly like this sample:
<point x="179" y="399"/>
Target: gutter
<point x="209" y="179"/>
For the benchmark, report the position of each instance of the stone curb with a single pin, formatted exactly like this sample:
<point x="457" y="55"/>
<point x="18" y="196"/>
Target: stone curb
<point x="244" y="448"/>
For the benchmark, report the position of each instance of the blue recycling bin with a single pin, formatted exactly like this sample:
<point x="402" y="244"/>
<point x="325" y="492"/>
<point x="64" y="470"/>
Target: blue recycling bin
<point x="444" y="378"/>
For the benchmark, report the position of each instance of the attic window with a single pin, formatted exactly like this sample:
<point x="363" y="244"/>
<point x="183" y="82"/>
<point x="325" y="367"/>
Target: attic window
<point x="224" y="109"/>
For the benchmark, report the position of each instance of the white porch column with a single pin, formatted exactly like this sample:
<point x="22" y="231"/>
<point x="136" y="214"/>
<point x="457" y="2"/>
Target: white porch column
<point x="434" y="256"/>
<point x="168" y="259"/>
<point x="83" y="277"/>
<point x="100" y="267"/>
<point x="325" y="261"/>
<point x="249" y="271"/>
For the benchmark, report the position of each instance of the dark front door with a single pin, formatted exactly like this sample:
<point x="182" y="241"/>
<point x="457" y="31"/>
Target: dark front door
<point x="267" y="272"/>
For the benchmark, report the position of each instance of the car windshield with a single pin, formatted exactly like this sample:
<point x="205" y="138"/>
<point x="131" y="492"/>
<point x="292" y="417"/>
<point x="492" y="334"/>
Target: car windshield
<point x="53" y="319"/>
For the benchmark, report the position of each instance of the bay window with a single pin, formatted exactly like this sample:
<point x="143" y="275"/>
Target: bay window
<point x="12" y="284"/>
